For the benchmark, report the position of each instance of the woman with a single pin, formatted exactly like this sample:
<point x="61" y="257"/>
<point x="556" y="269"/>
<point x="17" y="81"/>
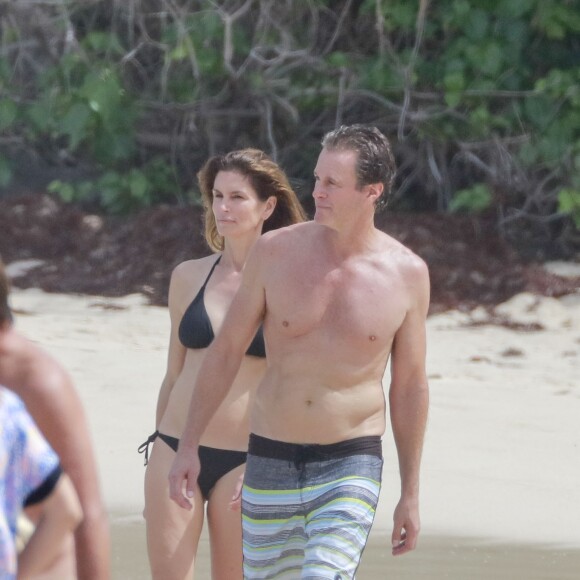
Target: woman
<point x="244" y="193"/>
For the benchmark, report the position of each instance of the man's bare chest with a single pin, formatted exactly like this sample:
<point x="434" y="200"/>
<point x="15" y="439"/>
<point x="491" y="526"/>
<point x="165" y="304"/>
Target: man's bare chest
<point x="357" y="306"/>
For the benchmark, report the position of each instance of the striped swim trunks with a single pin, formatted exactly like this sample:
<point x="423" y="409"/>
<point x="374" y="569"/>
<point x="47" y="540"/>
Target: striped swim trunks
<point x="307" y="510"/>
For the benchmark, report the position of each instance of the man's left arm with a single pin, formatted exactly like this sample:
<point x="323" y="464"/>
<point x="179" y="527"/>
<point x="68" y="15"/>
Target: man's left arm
<point x="409" y="402"/>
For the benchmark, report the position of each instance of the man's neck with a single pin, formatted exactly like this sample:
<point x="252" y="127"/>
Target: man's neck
<point x="358" y="239"/>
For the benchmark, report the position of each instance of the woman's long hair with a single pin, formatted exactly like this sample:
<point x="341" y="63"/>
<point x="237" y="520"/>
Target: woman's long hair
<point x="267" y="179"/>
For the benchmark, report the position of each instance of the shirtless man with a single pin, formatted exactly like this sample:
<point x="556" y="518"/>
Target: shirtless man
<point x="51" y="399"/>
<point x="337" y="298"/>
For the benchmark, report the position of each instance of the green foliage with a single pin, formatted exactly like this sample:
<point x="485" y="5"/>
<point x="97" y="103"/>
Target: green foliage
<point x="122" y="192"/>
<point x="8" y="113"/>
<point x="5" y="172"/>
<point x="470" y="92"/>
<point x="569" y="203"/>
<point x="472" y="200"/>
<point x="90" y="110"/>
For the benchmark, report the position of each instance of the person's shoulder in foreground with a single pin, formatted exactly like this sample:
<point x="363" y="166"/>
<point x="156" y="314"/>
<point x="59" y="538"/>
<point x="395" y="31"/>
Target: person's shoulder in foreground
<point x="51" y="398"/>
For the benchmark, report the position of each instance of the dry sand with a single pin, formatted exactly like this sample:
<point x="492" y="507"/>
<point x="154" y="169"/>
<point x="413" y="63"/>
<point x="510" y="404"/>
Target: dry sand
<point x="501" y="470"/>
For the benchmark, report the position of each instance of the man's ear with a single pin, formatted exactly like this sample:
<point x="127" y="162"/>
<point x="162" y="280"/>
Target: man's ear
<point x="375" y="190"/>
<point x="270" y="206"/>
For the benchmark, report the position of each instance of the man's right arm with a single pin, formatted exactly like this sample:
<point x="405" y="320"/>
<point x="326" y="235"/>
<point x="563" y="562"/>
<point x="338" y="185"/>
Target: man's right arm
<point x="217" y="373"/>
<point x="409" y="402"/>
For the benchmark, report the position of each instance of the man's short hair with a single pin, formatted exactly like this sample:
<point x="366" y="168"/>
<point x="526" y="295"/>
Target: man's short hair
<point x="375" y="159"/>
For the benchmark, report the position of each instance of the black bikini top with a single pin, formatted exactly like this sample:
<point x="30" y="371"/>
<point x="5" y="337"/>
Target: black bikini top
<point x="196" y="331"/>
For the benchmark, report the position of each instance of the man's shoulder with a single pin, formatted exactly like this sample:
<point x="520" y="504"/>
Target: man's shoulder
<point x="288" y="232"/>
<point x="24" y="364"/>
<point x="286" y="239"/>
<point x="15" y="346"/>
<point x="407" y="261"/>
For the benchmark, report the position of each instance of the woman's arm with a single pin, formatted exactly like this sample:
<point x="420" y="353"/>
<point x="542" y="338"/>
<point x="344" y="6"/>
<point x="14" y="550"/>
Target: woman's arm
<point x="56" y="517"/>
<point x="179" y="289"/>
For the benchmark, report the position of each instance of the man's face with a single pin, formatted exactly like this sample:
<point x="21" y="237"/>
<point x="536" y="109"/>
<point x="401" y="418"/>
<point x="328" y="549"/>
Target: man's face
<point x="335" y="188"/>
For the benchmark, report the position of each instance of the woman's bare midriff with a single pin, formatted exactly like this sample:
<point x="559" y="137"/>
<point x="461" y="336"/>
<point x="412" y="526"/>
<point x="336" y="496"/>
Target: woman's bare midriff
<point x="229" y="427"/>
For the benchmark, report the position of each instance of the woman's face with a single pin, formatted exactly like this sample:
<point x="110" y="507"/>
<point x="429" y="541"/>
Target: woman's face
<point x="236" y="206"/>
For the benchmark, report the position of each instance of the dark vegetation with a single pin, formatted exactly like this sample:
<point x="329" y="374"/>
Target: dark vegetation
<point x="113" y="256"/>
<point x="113" y="105"/>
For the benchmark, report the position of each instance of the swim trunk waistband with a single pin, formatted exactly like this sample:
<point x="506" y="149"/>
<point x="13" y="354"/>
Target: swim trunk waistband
<point x="264" y="447"/>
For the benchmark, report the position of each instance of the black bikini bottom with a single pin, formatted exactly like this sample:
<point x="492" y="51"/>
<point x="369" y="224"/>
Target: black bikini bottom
<point x="215" y="463"/>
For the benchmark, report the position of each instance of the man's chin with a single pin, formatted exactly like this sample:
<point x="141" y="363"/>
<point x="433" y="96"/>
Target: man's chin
<point x="320" y="218"/>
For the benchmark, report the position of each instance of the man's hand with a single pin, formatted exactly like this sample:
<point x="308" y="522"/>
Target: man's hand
<point x="236" y="501"/>
<point x="406" y="527"/>
<point x="183" y="476"/>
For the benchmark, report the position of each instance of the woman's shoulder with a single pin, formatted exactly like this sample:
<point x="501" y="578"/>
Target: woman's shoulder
<point x="190" y="274"/>
<point x="194" y="268"/>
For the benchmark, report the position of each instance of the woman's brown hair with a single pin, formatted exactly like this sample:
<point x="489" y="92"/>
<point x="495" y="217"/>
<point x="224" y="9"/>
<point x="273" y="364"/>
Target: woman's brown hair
<point x="267" y="179"/>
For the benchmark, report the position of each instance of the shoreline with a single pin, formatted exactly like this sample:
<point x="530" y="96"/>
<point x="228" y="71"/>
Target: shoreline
<point x="437" y="557"/>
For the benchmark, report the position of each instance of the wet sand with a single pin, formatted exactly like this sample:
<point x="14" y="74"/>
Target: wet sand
<point x="437" y="558"/>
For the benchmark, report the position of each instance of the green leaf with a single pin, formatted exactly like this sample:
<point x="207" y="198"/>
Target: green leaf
<point x="338" y="59"/>
<point x="180" y="52"/>
<point x="74" y="124"/>
<point x="492" y="59"/>
<point x="539" y="110"/>
<point x="528" y="154"/>
<point x="5" y="172"/>
<point x="103" y="91"/>
<point x="103" y="42"/>
<point x="138" y="184"/>
<point x="454" y="81"/>
<point x="452" y="99"/>
<point x="64" y="190"/>
<point x="477" y="25"/>
<point x="40" y="115"/>
<point x="8" y="113"/>
<point x="514" y="8"/>
<point x="569" y="203"/>
<point x="473" y="200"/>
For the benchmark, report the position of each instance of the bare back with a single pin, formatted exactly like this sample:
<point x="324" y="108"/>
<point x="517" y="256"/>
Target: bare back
<point x="330" y="325"/>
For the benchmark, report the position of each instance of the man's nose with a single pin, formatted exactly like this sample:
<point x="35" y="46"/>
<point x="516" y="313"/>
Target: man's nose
<point x="318" y="191"/>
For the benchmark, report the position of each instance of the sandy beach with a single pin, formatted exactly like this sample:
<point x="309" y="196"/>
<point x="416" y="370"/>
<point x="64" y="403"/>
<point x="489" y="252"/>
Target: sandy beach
<point x="501" y="470"/>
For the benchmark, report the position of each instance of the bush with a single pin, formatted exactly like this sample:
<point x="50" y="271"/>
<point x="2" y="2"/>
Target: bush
<point x="471" y="92"/>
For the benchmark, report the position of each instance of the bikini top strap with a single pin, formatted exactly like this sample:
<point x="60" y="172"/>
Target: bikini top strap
<point x="211" y="272"/>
